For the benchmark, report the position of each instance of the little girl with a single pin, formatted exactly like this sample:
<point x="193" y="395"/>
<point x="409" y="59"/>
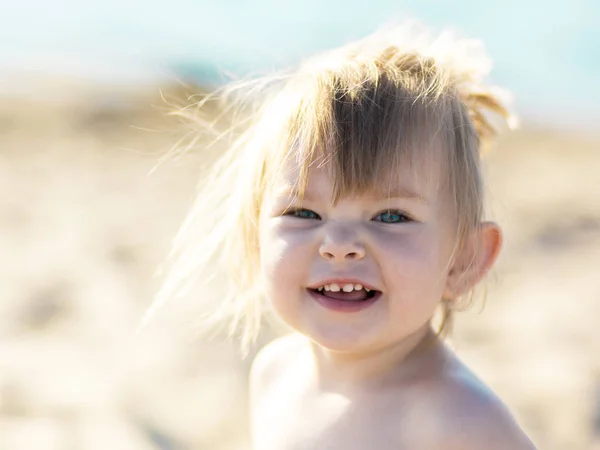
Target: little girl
<point x="350" y="204"/>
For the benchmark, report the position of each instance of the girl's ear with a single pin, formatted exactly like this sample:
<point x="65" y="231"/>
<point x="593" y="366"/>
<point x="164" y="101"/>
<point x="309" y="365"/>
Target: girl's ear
<point x="474" y="261"/>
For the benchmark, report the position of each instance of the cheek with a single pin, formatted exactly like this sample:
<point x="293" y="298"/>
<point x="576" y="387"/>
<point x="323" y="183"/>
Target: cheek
<point x="417" y="262"/>
<point x="284" y="258"/>
<point x="285" y="265"/>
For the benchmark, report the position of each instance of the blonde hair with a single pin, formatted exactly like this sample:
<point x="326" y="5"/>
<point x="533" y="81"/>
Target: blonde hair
<point x="361" y="106"/>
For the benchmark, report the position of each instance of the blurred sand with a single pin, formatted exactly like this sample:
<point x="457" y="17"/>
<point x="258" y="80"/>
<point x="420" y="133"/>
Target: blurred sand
<point x="83" y="228"/>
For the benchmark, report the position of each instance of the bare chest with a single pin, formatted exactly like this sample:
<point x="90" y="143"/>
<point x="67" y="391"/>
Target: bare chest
<point x="289" y="419"/>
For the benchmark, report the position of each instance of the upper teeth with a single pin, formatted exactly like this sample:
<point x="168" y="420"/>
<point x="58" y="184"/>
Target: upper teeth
<point x="349" y="287"/>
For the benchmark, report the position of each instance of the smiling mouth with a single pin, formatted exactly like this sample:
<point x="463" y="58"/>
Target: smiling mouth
<point x="347" y="300"/>
<point x="335" y="292"/>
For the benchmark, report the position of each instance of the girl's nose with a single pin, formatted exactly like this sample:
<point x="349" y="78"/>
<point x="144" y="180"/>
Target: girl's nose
<point x="341" y="245"/>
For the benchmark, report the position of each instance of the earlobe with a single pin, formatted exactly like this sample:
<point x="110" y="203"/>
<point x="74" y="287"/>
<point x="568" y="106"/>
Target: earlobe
<point x="475" y="260"/>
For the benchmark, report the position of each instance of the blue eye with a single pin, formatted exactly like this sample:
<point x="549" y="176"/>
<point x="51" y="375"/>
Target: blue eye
<point x="392" y="216"/>
<point x="303" y="214"/>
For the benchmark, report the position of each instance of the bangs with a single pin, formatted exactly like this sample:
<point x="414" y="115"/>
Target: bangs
<point x="361" y="133"/>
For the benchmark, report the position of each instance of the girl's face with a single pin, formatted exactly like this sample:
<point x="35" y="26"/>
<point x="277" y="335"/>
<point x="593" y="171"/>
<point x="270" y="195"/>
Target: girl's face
<point x="397" y="243"/>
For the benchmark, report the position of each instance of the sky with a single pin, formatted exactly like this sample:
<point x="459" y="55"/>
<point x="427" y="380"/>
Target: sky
<point x="546" y="52"/>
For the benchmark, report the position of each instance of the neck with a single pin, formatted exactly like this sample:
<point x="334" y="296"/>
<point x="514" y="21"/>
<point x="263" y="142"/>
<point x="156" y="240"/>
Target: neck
<point x="343" y="370"/>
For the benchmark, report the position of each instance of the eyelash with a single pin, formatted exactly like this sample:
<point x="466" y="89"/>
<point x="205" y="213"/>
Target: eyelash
<point x="296" y="213"/>
<point x="403" y="218"/>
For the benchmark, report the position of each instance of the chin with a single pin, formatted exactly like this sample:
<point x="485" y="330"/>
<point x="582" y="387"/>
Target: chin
<point x="343" y="338"/>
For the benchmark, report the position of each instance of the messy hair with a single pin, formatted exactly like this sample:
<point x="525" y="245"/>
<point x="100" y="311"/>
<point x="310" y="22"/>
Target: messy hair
<point x="361" y="107"/>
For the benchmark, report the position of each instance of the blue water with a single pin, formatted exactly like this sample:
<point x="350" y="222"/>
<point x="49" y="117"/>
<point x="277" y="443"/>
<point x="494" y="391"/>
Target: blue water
<point x="546" y="52"/>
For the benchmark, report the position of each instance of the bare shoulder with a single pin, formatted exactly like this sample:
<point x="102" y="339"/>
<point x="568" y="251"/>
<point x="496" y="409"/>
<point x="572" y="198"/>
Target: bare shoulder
<point x="462" y="413"/>
<point x="272" y="359"/>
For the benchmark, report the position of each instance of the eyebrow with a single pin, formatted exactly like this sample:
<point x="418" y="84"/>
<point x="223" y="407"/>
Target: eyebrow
<point x="296" y="194"/>
<point x="400" y="192"/>
<point x="394" y="192"/>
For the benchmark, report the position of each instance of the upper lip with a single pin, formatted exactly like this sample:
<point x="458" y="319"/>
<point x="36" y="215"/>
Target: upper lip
<point x="342" y="282"/>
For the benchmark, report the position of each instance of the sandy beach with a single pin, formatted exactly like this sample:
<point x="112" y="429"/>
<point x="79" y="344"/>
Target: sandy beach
<point x="85" y="222"/>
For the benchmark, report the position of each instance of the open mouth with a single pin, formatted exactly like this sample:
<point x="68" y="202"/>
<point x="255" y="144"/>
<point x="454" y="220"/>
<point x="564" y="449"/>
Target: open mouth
<point x="348" y="292"/>
<point x="347" y="296"/>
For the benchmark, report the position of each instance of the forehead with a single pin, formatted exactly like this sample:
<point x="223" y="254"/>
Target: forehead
<point x="410" y="175"/>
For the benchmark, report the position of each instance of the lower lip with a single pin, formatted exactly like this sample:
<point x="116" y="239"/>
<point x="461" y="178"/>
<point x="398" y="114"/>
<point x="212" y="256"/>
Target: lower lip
<point x="343" y="305"/>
